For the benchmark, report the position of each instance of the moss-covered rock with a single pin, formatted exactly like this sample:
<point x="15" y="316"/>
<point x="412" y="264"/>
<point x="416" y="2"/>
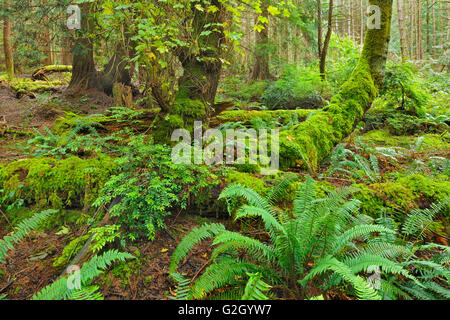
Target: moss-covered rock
<point x="403" y="195"/>
<point x="247" y="180"/>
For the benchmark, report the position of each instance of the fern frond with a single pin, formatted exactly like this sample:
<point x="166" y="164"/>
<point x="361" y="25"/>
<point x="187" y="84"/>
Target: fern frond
<point x="218" y="275"/>
<point x="194" y="237"/>
<point x="234" y="241"/>
<point x="255" y="288"/>
<point x="251" y="196"/>
<point x="280" y="188"/>
<point x="271" y="223"/>
<point x="421" y="219"/>
<point x="329" y="263"/>
<point x="61" y="290"/>
<point x="357" y="231"/>
<point x="7" y="243"/>
<point x="305" y="196"/>
<point x="87" y="293"/>
<point x="184" y="285"/>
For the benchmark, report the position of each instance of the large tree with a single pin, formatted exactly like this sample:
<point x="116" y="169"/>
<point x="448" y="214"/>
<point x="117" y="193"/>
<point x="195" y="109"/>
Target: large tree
<point x="84" y="74"/>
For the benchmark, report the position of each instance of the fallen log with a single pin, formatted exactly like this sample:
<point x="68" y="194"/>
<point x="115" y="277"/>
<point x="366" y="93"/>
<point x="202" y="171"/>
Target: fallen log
<point x="245" y="116"/>
<point x="43" y="73"/>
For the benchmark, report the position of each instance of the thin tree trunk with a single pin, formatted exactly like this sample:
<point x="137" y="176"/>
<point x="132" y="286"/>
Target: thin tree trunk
<point x="433" y="14"/>
<point x="202" y="72"/>
<point x="324" y="50"/>
<point x="402" y="31"/>
<point x="419" y="30"/>
<point x="7" y="47"/>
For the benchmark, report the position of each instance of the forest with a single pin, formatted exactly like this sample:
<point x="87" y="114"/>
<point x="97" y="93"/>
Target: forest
<point x="224" y="150"/>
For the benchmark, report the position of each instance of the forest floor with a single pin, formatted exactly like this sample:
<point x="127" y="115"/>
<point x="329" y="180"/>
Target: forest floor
<point x="29" y="267"/>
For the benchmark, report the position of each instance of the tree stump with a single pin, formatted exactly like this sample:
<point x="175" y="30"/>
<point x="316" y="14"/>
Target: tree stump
<point x="123" y="96"/>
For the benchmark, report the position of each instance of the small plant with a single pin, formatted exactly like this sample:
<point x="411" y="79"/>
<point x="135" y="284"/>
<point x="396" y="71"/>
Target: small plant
<point x="60" y="290"/>
<point x="315" y="230"/>
<point x="149" y="185"/>
<point x="7" y="243"/>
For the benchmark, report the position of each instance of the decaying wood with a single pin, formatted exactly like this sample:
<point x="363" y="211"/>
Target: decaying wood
<point x="43" y="73"/>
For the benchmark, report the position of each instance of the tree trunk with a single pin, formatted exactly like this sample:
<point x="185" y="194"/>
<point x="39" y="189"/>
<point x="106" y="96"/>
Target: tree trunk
<point x="309" y="142"/>
<point x="7" y="47"/>
<point x="261" y="69"/>
<point x="419" y="30"/>
<point x="84" y="74"/>
<point x="402" y="31"/>
<point x="324" y="50"/>
<point x="319" y="28"/>
<point x="202" y="69"/>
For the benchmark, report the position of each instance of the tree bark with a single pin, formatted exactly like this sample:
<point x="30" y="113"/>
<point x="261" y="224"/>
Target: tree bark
<point x="261" y="69"/>
<point x="402" y="31"/>
<point x="202" y="69"/>
<point x="309" y="142"/>
<point x="84" y="74"/>
<point x="7" y="47"/>
<point x="324" y="48"/>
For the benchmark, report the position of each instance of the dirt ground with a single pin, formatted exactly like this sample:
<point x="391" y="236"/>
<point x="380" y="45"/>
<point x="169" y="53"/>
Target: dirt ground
<point x="29" y="267"/>
<point x="21" y="116"/>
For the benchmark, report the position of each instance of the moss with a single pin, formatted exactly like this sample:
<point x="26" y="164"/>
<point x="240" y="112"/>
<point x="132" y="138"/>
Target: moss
<point x="309" y="142"/>
<point x="384" y="138"/>
<point x="124" y="270"/>
<point x="282" y="116"/>
<point x="402" y="195"/>
<point x="436" y="141"/>
<point x="374" y="199"/>
<point x="23" y="85"/>
<point x="71" y="182"/>
<point x="58" y="68"/>
<point x="184" y="112"/>
<point x="247" y="180"/>
<point x="165" y="126"/>
<point x="70" y="251"/>
<point x="432" y="188"/>
<point x="249" y="168"/>
<point x="70" y="120"/>
<point x="430" y="141"/>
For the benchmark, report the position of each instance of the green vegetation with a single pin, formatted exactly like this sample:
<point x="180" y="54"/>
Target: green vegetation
<point x="110" y="188"/>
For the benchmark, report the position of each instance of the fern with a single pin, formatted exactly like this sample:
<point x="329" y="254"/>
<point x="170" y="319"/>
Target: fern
<point x="7" y="243"/>
<point x="328" y="263"/>
<point x="87" y="293"/>
<point x="60" y="290"/>
<point x="419" y="220"/>
<point x="255" y="288"/>
<point x="183" y="288"/>
<point x="196" y="236"/>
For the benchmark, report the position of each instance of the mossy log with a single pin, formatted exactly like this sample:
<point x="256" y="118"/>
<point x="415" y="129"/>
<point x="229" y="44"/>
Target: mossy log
<point x="273" y="115"/>
<point x="42" y="73"/>
<point x="309" y="142"/>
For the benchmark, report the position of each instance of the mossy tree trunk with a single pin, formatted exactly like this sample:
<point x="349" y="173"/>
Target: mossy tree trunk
<point x="309" y="142"/>
<point x="201" y="62"/>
